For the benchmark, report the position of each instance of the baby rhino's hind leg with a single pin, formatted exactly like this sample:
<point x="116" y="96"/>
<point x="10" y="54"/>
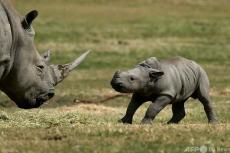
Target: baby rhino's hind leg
<point x="178" y="111"/>
<point x="204" y="98"/>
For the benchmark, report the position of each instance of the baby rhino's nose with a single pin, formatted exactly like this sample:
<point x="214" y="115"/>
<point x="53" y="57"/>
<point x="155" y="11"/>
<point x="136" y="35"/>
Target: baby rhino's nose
<point x="117" y="86"/>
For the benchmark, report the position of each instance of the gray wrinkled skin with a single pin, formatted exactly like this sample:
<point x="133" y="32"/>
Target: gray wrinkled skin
<point x="25" y="76"/>
<point x="164" y="82"/>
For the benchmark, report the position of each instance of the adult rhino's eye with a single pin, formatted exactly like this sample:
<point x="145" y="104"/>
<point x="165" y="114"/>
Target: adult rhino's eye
<point x="40" y="67"/>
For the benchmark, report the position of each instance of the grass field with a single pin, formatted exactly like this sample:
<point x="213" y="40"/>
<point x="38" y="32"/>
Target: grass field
<point x="122" y="33"/>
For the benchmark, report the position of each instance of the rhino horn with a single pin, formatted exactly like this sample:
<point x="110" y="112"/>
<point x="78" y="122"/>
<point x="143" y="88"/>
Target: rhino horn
<point x="62" y="71"/>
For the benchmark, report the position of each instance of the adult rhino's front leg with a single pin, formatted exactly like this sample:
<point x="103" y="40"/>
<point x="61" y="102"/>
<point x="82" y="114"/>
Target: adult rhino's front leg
<point x="134" y="104"/>
<point x="155" y="108"/>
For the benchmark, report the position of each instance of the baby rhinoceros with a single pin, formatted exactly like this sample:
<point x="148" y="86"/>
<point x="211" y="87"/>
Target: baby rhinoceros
<point x="164" y="82"/>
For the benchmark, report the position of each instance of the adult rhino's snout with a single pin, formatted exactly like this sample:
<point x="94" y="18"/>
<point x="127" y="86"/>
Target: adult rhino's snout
<point x="37" y="101"/>
<point x="45" y="96"/>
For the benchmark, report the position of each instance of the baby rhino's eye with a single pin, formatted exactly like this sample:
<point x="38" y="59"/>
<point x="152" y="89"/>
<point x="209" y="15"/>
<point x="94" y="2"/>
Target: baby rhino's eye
<point x="132" y="78"/>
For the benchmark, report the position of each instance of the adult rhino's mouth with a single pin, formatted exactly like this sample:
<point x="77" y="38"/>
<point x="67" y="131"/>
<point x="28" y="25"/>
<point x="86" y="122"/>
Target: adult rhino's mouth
<point x="44" y="97"/>
<point x="36" y="102"/>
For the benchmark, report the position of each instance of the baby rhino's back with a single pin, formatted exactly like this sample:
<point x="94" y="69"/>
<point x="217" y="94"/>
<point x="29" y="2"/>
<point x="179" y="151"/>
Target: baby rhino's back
<point x="184" y="74"/>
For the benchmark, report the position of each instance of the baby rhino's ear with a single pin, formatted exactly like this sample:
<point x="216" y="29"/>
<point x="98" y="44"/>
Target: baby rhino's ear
<point x="155" y="74"/>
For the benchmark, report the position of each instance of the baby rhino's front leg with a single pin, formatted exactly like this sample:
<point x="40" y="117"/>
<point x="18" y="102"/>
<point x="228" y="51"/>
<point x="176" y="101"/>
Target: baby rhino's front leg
<point x="155" y="108"/>
<point x="134" y="104"/>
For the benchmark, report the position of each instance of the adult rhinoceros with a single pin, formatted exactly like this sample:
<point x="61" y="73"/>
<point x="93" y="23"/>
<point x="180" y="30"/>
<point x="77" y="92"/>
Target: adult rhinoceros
<point x="25" y="76"/>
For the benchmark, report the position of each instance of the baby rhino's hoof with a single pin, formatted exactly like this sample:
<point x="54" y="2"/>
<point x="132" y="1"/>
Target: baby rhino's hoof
<point x="124" y="121"/>
<point x="215" y="121"/>
<point x="146" y="121"/>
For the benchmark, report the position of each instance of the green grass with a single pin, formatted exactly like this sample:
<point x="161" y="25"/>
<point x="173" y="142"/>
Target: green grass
<point x="121" y="34"/>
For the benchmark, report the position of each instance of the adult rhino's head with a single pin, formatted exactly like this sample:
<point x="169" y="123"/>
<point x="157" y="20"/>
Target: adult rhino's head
<point x="136" y="79"/>
<point x="31" y="79"/>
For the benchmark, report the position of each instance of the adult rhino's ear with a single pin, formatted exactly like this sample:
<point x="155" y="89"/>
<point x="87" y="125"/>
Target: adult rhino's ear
<point x="27" y="21"/>
<point x="155" y="74"/>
